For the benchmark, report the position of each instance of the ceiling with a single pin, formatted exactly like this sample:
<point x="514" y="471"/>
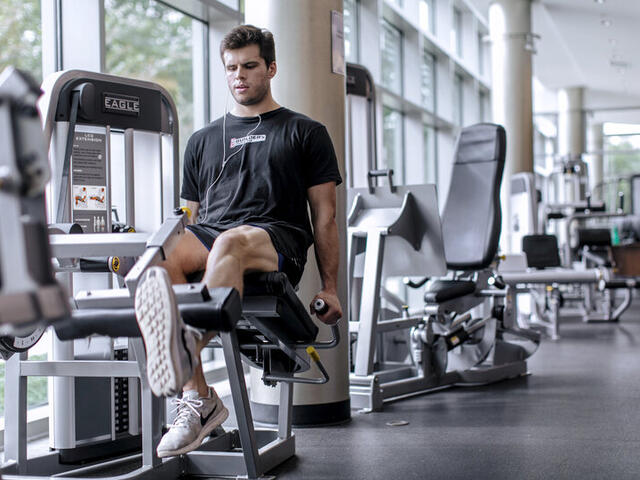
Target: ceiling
<point x="585" y="43"/>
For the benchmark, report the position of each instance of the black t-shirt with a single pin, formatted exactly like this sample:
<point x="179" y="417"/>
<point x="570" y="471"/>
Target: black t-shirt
<point x="271" y="161"/>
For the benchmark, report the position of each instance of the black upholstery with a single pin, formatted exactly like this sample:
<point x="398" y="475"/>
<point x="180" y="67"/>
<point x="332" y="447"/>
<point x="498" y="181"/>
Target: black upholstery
<point x="541" y="251"/>
<point x="443" y="290"/>
<point x="594" y="237"/>
<point x="289" y="306"/>
<point x="471" y="220"/>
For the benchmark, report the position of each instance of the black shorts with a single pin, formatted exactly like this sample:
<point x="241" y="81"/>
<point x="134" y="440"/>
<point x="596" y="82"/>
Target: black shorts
<point x="292" y="267"/>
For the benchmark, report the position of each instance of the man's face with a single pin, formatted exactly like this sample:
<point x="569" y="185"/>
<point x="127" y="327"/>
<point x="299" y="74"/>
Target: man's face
<point x="247" y="74"/>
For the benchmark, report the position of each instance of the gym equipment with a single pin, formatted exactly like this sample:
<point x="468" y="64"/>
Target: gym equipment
<point x="269" y="330"/>
<point x="113" y="144"/>
<point x="396" y="231"/>
<point x="29" y="294"/>
<point x="544" y="296"/>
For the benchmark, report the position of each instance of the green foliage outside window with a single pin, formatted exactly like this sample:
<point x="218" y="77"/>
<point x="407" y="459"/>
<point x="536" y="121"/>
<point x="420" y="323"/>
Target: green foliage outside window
<point x="36" y="387"/>
<point x="150" y="41"/>
<point x="21" y="36"/>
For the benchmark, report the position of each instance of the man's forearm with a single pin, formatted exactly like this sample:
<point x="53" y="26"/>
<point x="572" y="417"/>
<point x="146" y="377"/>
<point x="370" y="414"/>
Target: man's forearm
<point x="194" y="207"/>
<point x="327" y="250"/>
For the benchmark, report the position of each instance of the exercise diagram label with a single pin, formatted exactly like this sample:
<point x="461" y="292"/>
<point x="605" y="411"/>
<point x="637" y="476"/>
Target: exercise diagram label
<point x="89" y="182"/>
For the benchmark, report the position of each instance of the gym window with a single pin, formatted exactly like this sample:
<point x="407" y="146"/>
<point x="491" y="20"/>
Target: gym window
<point x="429" y="154"/>
<point x="484" y="110"/>
<point x="391" y="40"/>
<point x="21" y="39"/>
<point x="456" y="32"/>
<point x="481" y="55"/>
<point x="393" y="143"/>
<point x="458" y="97"/>
<point x="426" y="16"/>
<point x="428" y="80"/>
<point x="351" y="44"/>
<point x="148" y="40"/>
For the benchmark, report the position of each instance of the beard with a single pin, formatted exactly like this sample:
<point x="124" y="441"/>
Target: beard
<point x="261" y="92"/>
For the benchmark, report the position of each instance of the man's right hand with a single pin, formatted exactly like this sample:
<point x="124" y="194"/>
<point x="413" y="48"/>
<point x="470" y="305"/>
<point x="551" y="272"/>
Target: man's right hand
<point x="333" y="312"/>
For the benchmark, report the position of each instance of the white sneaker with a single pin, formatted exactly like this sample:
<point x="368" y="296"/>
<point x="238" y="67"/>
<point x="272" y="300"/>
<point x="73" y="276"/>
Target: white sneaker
<point x="197" y="418"/>
<point x="170" y="344"/>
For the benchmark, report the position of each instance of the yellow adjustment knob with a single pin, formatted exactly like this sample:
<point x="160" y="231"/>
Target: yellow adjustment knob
<point x="549" y="288"/>
<point x="115" y="264"/>
<point x="186" y="210"/>
<point x="313" y="354"/>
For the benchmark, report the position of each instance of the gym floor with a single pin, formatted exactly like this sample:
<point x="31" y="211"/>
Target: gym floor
<point x="576" y="416"/>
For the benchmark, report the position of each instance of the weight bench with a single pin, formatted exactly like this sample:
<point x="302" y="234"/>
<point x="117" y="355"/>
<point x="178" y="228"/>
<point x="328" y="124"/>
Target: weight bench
<point x="267" y="329"/>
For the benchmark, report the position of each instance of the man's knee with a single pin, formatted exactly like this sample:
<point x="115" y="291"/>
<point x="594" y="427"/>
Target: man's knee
<point x="237" y="241"/>
<point x="251" y="246"/>
<point x="189" y="255"/>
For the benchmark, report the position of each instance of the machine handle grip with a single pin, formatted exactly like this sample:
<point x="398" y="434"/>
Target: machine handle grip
<point x="292" y="379"/>
<point x="381" y="173"/>
<point x="497" y="282"/>
<point x="320" y="306"/>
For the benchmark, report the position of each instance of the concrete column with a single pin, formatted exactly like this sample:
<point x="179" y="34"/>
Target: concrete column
<point x="305" y="83"/>
<point x="511" y="48"/>
<point x="571" y="128"/>
<point x="596" y="159"/>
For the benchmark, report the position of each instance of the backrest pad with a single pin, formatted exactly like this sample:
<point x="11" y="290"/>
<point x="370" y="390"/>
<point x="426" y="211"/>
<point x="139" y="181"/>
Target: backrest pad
<point x="471" y="220"/>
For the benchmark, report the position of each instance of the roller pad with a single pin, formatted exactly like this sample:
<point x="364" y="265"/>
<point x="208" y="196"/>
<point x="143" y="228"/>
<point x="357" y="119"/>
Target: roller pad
<point x="220" y="312"/>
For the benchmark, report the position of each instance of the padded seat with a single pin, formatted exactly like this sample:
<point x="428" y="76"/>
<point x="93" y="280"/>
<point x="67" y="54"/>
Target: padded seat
<point x="443" y="290"/>
<point x="294" y="324"/>
<point x="594" y="237"/>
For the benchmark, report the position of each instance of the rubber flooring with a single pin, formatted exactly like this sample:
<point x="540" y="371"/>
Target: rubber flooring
<point x="576" y="415"/>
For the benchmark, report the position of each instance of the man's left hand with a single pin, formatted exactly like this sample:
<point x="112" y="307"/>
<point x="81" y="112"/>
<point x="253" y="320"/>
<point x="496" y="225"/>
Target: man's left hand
<point x="333" y="312"/>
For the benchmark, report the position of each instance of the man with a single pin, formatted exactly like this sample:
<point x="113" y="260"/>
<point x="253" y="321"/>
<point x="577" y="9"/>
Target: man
<point x="248" y="177"/>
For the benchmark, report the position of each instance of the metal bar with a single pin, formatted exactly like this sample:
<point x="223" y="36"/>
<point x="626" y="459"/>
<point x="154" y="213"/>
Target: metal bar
<point x="623" y="306"/>
<point x="370" y="304"/>
<point x="129" y="194"/>
<point x="80" y="368"/>
<point x="15" y="414"/>
<point x="285" y="409"/>
<point x="241" y="402"/>
<point x="554" y="276"/>
<point x="62" y="214"/>
<point x="98" y="244"/>
<point x="153" y="411"/>
<point x="398" y="324"/>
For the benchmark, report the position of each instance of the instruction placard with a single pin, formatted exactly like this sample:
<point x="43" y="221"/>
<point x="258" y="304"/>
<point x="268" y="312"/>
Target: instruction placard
<point x="89" y="182"/>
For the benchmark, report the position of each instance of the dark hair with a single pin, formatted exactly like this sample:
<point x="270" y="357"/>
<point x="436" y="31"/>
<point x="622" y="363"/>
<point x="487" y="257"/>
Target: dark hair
<point x="244" y="35"/>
